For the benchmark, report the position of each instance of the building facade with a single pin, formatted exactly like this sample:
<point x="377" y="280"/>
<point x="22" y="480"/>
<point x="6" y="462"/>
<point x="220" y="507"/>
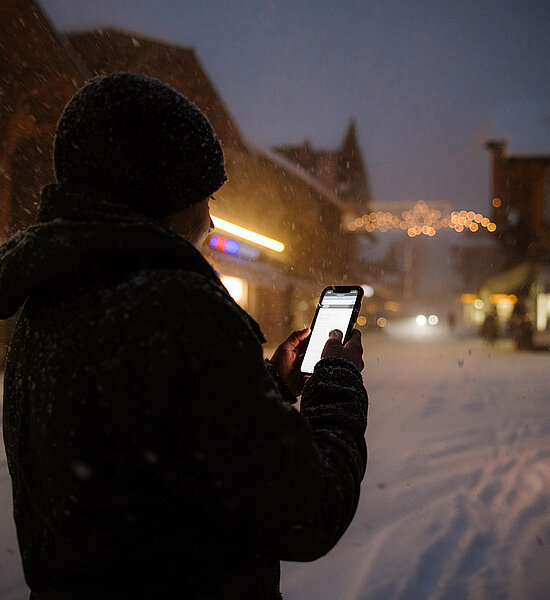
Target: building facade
<point x="341" y="171"/>
<point x="40" y="69"/>
<point x="520" y="188"/>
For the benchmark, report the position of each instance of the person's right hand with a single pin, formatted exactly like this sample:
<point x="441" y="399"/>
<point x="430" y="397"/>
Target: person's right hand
<point x="352" y="350"/>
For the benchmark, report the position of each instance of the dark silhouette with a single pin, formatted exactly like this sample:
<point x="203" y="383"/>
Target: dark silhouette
<point x="153" y="453"/>
<point x="451" y="320"/>
<point x="521" y="326"/>
<point x="490" y="330"/>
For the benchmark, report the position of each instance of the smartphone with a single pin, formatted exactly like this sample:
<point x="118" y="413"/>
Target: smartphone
<point x="337" y="309"/>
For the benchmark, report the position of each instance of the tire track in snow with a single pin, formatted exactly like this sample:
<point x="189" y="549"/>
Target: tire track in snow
<point x="457" y="494"/>
<point x="448" y="565"/>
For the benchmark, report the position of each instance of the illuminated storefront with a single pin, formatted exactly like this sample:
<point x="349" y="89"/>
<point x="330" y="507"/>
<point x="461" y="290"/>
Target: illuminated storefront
<point x="264" y="286"/>
<point x="527" y="283"/>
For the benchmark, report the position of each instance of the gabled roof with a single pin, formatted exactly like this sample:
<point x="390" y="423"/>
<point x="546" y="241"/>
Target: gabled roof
<point x="341" y="170"/>
<point x="111" y="49"/>
<point x="353" y="172"/>
<point x="297" y="170"/>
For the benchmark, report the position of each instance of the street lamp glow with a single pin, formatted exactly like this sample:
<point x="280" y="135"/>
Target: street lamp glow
<point x="368" y="290"/>
<point x="247" y="234"/>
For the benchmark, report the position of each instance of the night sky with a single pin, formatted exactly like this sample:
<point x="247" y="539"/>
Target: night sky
<point x="427" y="82"/>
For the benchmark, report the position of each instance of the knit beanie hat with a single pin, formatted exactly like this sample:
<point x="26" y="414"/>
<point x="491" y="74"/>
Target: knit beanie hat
<point x="141" y="141"/>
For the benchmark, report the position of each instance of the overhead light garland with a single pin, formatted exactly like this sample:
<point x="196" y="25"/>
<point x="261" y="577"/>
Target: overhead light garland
<point x="422" y="220"/>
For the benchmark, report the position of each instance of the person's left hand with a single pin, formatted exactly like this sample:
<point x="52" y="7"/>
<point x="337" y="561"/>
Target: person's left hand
<point x="285" y="360"/>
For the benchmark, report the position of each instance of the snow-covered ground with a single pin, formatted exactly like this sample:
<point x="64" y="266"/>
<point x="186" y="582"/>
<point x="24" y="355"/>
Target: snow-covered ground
<point x="456" y="501"/>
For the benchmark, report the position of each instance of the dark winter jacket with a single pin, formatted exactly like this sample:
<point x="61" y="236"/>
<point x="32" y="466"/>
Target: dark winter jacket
<point x="151" y="451"/>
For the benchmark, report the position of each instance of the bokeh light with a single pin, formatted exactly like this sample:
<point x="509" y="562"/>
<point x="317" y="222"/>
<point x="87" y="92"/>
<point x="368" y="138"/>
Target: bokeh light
<point x="423" y="220"/>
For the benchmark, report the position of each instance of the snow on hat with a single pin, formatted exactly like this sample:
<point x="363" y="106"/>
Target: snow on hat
<point x="141" y="140"/>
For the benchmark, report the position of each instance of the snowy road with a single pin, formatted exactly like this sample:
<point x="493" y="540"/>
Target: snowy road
<point x="456" y="501"/>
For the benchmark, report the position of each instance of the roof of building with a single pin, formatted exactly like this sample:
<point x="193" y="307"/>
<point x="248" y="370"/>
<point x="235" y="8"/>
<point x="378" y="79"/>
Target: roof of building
<point x="341" y="170"/>
<point x="501" y="144"/>
<point x="111" y="49"/>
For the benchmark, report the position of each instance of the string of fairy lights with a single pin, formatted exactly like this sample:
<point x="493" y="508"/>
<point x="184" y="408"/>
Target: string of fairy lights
<point x="422" y="220"/>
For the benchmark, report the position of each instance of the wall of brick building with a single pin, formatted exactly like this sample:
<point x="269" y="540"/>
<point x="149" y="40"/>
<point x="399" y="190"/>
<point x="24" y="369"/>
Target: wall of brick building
<point x="519" y="190"/>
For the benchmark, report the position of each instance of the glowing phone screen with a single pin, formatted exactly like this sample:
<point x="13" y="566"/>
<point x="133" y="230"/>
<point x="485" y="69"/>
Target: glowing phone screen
<point x="335" y="312"/>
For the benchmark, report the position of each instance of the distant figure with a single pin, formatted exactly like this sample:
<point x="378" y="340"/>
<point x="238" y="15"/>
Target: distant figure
<point x="451" y="320"/>
<point x="490" y="330"/>
<point x="521" y="326"/>
<point x="153" y="453"/>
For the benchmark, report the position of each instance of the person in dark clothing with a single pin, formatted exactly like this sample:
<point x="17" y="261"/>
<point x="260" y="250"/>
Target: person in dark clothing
<point x="521" y="326"/>
<point x="153" y="452"/>
<point x="490" y="329"/>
